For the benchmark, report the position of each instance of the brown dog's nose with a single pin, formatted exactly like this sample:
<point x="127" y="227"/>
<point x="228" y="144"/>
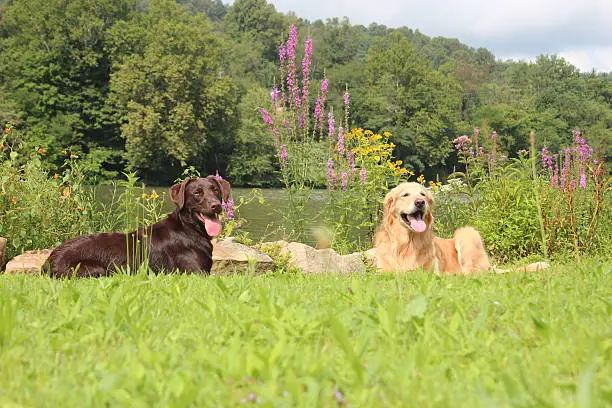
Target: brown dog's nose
<point x="216" y="207"/>
<point x="419" y="203"/>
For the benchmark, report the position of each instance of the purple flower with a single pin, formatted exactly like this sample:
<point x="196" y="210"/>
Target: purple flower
<point x="283" y="153"/>
<point x="582" y="178"/>
<point x="228" y="209"/>
<point x="476" y="132"/>
<point x="275" y="95"/>
<point x="318" y="111"/>
<point x="265" y="115"/>
<point x="306" y="61"/>
<point x="494" y="136"/>
<point x="217" y="176"/>
<point x="362" y="175"/>
<point x="331" y="176"/>
<point x="302" y="120"/>
<point x="546" y="158"/>
<point x="351" y="161"/>
<point x="324" y="86"/>
<point x="461" y="142"/>
<point x="344" y="180"/>
<point x="555" y="177"/>
<point x="320" y="102"/>
<point x="331" y="124"/>
<point x="292" y="86"/>
<point x="347" y="98"/>
<point x="341" y="141"/>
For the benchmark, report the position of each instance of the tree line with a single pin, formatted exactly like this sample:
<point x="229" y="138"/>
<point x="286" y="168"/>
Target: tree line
<point x="158" y="85"/>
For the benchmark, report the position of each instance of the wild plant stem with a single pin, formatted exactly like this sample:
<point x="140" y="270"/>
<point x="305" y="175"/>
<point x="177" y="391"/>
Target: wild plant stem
<point x="536" y="195"/>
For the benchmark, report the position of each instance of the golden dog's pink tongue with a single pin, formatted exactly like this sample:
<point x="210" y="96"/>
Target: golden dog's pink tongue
<point x="417" y="225"/>
<point x="213" y="226"/>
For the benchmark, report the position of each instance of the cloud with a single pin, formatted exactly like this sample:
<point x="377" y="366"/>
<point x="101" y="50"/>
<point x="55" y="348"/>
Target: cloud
<point x="577" y="31"/>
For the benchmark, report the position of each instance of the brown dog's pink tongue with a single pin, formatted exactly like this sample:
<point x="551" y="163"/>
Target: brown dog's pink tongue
<point x="417" y="225"/>
<point x="213" y="226"/>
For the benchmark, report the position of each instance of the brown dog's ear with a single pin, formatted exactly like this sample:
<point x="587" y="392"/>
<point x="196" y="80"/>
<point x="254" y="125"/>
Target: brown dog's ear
<point x="224" y="185"/>
<point x="177" y="193"/>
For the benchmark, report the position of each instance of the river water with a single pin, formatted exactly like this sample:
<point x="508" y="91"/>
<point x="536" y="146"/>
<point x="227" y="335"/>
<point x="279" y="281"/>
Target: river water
<point x="262" y="220"/>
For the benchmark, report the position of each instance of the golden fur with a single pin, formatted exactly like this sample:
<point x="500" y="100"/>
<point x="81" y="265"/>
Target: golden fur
<point x="405" y="239"/>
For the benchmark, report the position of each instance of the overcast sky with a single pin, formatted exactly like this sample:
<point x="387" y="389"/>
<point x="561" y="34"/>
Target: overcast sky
<point x="580" y="30"/>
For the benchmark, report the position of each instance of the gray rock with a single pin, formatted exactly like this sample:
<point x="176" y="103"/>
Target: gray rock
<point x="231" y="257"/>
<point x="28" y="262"/>
<point x="318" y="261"/>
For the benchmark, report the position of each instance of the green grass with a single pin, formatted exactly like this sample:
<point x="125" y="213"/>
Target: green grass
<point x="416" y="340"/>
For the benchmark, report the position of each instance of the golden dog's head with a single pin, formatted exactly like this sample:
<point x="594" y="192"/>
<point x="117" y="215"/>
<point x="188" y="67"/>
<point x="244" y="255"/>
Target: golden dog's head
<point x="411" y="205"/>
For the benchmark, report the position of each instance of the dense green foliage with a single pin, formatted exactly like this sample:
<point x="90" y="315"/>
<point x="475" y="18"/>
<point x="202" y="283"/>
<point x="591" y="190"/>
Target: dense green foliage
<point x="153" y="85"/>
<point x="292" y="340"/>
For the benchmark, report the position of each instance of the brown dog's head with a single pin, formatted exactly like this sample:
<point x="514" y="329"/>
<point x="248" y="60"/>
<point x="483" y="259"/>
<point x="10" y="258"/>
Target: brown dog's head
<point x="200" y="199"/>
<point x="411" y="204"/>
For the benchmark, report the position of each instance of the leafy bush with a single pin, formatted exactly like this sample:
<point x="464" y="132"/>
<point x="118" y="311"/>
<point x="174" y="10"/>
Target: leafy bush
<point x="40" y="210"/>
<point x="520" y="211"/>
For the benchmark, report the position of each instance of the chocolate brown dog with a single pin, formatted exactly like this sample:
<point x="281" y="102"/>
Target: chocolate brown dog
<point x="181" y="241"/>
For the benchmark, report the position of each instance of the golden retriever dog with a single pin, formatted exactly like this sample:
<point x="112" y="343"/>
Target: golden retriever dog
<point x="405" y="239"/>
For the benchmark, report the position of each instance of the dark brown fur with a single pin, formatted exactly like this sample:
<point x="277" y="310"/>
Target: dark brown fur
<point x="178" y="242"/>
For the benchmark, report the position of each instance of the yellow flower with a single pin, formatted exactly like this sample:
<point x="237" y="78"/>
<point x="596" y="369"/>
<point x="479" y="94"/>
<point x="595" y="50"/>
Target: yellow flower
<point x="421" y="179"/>
<point x="144" y="195"/>
<point x="154" y="195"/>
<point x="387" y="134"/>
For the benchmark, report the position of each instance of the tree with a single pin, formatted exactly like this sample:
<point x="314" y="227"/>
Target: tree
<point x="56" y="71"/>
<point x="176" y="102"/>
<point x="420" y="104"/>
<point x="257" y="20"/>
<point x="253" y="161"/>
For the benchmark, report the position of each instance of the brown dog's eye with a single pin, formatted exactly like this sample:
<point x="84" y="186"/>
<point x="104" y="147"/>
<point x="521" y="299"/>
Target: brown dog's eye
<point x="197" y="192"/>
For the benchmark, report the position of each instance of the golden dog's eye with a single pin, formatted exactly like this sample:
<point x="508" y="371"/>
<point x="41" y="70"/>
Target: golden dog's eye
<point x="423" y="194"/>
<point x="405" y="194"/>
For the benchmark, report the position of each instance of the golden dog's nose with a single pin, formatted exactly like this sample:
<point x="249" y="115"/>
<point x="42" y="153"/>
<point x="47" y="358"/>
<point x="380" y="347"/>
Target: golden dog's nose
<point x="419" y="203"/>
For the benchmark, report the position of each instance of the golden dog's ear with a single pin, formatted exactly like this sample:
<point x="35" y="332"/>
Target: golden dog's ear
<point x="429" y="219"/>
<point x="388" y="203"/>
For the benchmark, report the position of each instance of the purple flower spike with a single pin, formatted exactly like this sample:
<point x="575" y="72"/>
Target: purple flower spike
<point x="265" y="115"/>
<point x="228" y="209"/>
<point x="341" y="141"/>
<point x="362" y="175"/>
<point x="344" y="180"/>
<point x="332" y="127"/>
